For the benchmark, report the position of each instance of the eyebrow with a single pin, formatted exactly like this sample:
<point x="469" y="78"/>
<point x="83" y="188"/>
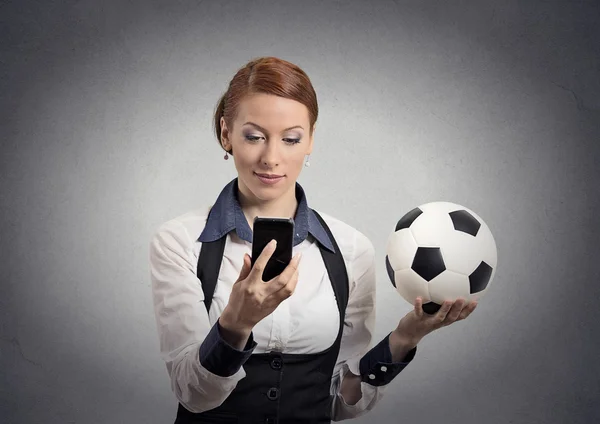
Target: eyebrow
<point x="263" y="130"/>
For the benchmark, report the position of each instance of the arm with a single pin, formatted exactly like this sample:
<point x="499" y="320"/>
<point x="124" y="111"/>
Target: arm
<point x="362" y="374"/>
<point x="202" y="364"/>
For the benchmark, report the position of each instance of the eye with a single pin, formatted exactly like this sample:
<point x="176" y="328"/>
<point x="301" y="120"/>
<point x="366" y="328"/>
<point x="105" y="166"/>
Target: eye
<point x="254" y="138"/>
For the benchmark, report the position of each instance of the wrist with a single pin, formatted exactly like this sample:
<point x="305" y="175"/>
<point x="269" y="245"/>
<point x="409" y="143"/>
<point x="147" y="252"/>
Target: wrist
<point x="405" y="337"/>
<point x="401" y="344"/>
<point x="230" y="324"/>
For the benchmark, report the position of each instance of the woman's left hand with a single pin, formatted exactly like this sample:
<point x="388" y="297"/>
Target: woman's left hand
<point x="417" y="324"/>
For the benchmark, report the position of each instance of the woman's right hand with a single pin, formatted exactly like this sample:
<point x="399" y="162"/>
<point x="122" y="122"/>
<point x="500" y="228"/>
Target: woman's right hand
<point x="252" y="299"/>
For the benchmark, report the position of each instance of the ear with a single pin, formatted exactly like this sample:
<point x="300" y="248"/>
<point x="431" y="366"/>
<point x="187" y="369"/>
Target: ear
<point x="225" y="142"/>
<point x="311" y="141"/>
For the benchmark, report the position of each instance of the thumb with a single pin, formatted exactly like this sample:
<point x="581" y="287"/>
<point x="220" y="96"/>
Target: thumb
<point x="419" y="307"/>
<point x="246" y="267"/>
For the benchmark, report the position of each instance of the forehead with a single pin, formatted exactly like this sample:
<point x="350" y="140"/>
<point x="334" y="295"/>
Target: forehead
<point x="272" y="112"/>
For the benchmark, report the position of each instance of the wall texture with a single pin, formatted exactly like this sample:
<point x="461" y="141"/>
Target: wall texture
<point x="106" y="132"/>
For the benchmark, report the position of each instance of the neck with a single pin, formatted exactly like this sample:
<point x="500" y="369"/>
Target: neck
<point x="284" y="206"/>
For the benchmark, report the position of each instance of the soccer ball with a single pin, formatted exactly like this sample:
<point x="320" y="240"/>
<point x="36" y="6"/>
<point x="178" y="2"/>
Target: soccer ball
<point x="441" y="251"/>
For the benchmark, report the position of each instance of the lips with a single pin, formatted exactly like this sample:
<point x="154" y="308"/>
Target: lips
<point x="269" y="179"/>
<point x="269" y="175"/>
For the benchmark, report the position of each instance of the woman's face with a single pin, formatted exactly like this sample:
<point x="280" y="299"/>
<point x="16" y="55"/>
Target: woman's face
<point x="275" y="146"/>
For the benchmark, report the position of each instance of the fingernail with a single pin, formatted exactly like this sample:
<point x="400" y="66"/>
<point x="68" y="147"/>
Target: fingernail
<point x="273" y="243"/>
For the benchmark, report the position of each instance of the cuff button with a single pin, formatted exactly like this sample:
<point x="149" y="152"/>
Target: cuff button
<point x="383" y="368"/>
<point x="372" y="376"/>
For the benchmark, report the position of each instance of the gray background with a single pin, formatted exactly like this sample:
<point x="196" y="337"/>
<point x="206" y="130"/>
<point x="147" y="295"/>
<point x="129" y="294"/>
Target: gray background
<point x="106" y="133"/>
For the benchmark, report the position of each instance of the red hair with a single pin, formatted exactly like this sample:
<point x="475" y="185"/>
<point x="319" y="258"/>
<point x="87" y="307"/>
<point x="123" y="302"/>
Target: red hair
<point x="269" y="75"/>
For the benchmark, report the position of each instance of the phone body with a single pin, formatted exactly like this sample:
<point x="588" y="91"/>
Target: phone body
<point x="266" y="229"/>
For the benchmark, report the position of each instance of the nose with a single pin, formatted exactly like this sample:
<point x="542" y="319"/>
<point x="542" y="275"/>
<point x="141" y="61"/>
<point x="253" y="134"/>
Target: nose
<point x="270" y="155"/>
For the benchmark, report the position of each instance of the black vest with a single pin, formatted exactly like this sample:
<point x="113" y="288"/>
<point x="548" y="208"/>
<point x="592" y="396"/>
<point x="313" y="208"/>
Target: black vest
<point x="279" y="388"/>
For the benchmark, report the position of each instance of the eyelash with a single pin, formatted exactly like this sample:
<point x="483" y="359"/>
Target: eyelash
<point x="290" y="140"/>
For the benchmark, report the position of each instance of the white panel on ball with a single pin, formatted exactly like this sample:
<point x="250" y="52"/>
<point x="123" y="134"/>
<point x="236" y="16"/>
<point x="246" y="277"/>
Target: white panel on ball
<point x="431" y="228"/>
<point x="403" y="242"/>
<point x="449" y="285"/>
<point x="440" y="207"/>
<point x="487" y="244"/>
<point x="461" y="251"/>
<point x="410" y="285"/>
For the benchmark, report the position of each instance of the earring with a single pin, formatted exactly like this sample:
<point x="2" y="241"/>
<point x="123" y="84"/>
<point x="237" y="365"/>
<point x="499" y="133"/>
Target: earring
<point x="307" y="163"/>
<point x="226" y="155"/>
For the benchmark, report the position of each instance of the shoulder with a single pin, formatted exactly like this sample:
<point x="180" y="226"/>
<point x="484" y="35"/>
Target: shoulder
<point x="355" y="246"/>
<point x="181" y="230"/>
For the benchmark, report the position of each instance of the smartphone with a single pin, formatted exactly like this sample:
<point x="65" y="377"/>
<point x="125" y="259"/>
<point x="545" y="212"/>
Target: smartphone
<point x="267" y="229"/>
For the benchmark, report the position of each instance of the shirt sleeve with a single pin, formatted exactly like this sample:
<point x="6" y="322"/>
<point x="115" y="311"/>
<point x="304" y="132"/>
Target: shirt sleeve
<point x="373" y="365"/>
<point x="219" y="357"/>
<point x="377" y="368"/>
<point x="183" y="325"/>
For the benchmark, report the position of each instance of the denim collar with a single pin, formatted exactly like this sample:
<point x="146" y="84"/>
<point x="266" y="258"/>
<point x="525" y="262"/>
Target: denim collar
<point x="227" y="215"/>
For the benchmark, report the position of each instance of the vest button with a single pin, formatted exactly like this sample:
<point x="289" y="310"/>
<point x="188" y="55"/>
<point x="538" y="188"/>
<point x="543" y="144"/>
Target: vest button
<point x="276" y="363"/>
<point x="273" y="393"/>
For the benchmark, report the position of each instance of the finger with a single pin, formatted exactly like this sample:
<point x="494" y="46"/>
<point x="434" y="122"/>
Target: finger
<point x="261" y="262"/>
<point x="441" y="314"/>
<point x="419" y="307"/>
<point x="287" y="289"/>
<point x="289" y="269"/>
<point x="468" y="310"/>
<point x="246" y="266"/>
<point x="455" y="310"/>
<point x="280" y="281"/>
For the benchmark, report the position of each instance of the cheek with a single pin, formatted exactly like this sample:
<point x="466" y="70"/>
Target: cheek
<point x="296" y="163"/>
<point x="242" y="166"/>
<point x="243" y="157"/>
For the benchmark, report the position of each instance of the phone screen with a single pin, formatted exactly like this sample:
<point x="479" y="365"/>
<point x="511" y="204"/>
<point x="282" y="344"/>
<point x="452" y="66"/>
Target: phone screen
<point x="267" y="229"/>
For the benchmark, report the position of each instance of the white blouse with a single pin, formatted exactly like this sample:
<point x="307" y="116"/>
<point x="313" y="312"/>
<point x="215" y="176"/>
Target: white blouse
<point x="306" y="322"/>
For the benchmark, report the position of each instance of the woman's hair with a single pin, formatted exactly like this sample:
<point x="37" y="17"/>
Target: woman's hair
<point x="269" y="75"/>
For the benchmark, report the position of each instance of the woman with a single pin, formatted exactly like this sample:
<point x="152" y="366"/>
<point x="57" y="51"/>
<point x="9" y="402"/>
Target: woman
<point x="296" y="349"/>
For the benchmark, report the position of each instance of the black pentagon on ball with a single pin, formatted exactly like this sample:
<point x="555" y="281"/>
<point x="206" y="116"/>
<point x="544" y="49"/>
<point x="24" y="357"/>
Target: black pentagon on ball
<point x="465" y="222"/>
<point x="431" y="308"/>
<point x="428" y="262"/>
<point x="390" y="271"/>
<point x="408" y="219"/>
<point x="479" y="279"/>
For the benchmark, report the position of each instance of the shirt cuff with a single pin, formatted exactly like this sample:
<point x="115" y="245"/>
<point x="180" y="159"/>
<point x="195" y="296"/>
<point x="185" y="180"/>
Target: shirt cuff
<point x="376" y="366"/>
<point x="219" y="357"/>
